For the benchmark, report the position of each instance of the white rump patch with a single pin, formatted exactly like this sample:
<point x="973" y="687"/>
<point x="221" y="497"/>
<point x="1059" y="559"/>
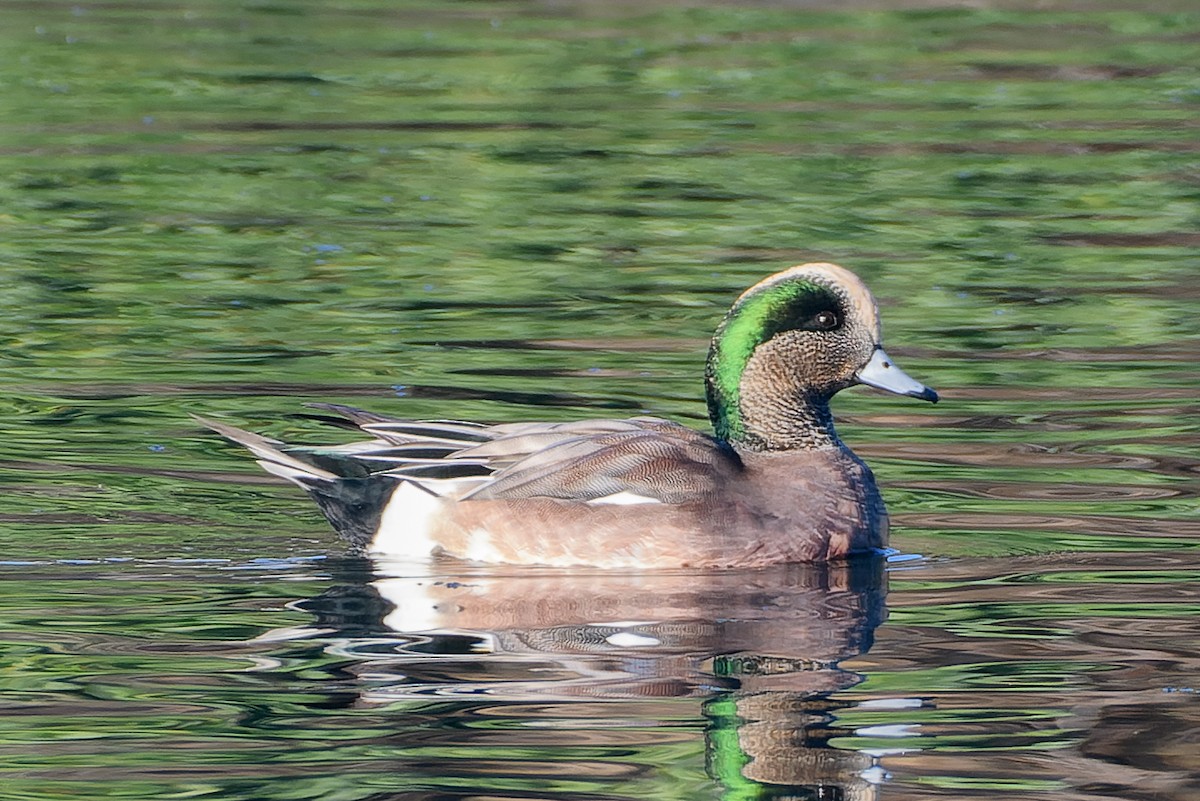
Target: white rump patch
<point x="406" y="523"/>
<point x="624" y="498"/>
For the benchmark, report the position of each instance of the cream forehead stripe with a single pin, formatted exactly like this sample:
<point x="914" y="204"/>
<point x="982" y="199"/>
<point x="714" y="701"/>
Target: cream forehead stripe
<point x="833" y="275"/>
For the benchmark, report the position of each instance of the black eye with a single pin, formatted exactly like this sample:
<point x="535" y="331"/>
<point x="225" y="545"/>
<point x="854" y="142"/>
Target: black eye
<point x="826" y="320"/>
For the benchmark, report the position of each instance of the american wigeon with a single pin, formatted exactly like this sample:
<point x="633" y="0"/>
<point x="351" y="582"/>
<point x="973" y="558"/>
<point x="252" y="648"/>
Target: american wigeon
<point x="774" y="484"/>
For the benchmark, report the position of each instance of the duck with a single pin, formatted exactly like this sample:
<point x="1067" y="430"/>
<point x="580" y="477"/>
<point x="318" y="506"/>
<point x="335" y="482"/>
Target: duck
<point x="773" y="483"/>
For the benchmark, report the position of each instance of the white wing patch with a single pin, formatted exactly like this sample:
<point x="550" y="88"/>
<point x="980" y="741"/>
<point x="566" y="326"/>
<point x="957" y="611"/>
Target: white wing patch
<point x="624" y="498"/>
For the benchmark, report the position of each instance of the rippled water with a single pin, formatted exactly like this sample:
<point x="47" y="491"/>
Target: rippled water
<point x="508" y="211"/>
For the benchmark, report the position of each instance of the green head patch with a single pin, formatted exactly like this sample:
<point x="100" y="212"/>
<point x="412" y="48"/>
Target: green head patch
<point x="791" y="304"/>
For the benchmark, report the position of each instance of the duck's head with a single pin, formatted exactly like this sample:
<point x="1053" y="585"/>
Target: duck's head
<point x="788" y="344"/>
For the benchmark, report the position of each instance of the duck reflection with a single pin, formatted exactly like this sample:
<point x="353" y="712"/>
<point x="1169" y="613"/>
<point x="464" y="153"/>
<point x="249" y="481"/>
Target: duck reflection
<point x="758" y="652"/>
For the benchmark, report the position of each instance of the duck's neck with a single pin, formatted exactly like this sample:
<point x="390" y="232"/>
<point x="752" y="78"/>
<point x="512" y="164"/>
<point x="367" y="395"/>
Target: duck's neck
<point x="796" y="425"/>
<point x="789" y="424"/>
<point x="765" y="412"/>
